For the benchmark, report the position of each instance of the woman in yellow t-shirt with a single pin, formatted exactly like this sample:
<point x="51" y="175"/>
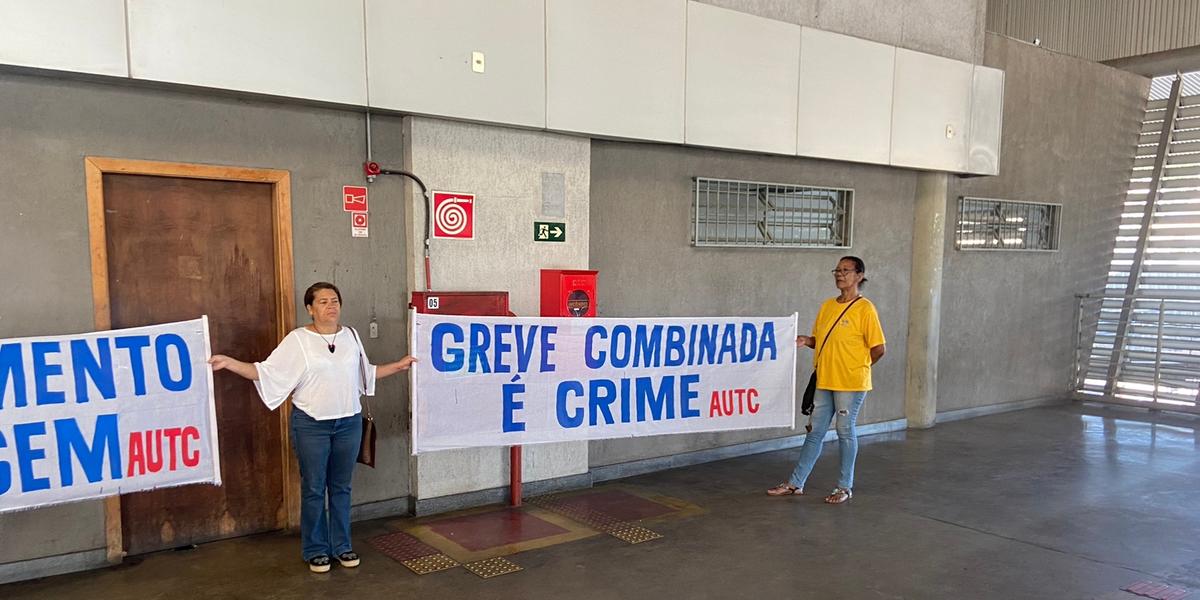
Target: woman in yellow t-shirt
<point x="843" y="364"/>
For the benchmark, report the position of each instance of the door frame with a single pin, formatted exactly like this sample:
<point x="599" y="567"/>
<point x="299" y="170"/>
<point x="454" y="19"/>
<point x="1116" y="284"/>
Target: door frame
<point x="281" y="204"/>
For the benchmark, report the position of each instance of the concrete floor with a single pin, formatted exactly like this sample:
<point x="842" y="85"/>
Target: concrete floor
<point x="1064" y="502"/>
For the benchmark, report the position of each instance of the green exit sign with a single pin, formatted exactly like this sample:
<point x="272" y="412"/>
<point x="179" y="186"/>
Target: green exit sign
<point x="548" y="231"/>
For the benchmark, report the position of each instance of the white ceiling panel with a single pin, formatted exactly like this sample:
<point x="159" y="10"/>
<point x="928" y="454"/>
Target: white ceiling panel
<point x="616" y="68"/>
<point x="845" y="97"/>
<point x="930" y="112"/>
<point x="742" y="73"/>
<point x="421" y="58"/>
<point x="313" y="49"/>
<point x="84" y="36"/>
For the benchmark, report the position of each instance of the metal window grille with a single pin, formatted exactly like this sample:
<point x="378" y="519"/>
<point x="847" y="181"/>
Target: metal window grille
<point x="770" y="215"/>
<point x="988" y="224"/>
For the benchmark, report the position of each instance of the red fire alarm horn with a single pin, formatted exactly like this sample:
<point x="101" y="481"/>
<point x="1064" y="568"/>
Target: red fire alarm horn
<point x="371" y="170"/>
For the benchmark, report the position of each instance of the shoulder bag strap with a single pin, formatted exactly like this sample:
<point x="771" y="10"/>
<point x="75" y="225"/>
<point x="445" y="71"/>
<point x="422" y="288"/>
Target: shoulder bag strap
<point x="835" y="322"/>
<point x="362" y="370"/>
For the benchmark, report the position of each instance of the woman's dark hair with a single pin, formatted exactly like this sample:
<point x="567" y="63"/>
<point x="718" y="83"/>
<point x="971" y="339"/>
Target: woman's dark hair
<point x="859" y="267"/>
<point x="311" y="292"/>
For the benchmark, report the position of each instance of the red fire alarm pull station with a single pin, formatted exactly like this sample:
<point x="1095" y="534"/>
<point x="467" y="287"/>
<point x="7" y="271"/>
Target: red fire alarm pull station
<point x="567" y="293"/>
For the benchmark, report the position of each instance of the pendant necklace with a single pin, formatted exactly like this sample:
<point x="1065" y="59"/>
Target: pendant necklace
<point x="329" y="343"/>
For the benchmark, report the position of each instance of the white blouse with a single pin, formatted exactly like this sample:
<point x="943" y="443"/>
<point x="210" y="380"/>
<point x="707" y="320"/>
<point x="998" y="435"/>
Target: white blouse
<point x="325" y="385"/>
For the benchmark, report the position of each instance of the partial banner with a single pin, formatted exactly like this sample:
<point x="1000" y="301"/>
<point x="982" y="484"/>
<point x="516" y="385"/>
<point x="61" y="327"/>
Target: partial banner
<point x="112" y="412"/>
<point x="502" y="381"/>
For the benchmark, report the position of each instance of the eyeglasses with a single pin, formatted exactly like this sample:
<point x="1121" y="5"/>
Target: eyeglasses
<point x="843" y="271"/>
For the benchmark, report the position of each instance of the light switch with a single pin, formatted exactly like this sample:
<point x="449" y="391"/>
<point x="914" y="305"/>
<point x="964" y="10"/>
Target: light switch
<point x="477" y="62"/>
<point x="374" y="329"/>
<point x="949" y="132"/>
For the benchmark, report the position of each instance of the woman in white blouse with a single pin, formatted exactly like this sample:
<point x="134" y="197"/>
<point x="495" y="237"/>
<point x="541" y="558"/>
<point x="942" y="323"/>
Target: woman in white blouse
<point x="325" y="369"/>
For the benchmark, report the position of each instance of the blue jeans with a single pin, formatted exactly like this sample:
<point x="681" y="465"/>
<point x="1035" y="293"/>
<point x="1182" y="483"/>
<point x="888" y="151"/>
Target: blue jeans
<point x="327" y="451"/>
<point x="824" y="403"/>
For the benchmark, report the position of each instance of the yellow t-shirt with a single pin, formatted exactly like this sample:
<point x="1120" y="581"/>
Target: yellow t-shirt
<point x="845" y="363"/>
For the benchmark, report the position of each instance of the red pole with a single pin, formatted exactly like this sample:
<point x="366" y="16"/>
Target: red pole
<point x="514" y="472"/>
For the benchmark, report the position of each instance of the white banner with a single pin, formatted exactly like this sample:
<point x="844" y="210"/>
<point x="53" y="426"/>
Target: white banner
<point x="502" y="381"/>
<point x="112" y="412"/>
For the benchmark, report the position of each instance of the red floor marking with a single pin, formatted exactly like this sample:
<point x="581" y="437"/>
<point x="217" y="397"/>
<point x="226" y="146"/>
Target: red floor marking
<point x="1156" y="591"/>
<point x="618" y="504"/>
<point x="493" y="529"/>
<point x="401" y="546"/>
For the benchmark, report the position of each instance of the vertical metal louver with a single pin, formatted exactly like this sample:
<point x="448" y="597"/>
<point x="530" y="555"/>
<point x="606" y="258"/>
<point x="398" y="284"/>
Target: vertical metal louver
<point x="1145" y="327"/>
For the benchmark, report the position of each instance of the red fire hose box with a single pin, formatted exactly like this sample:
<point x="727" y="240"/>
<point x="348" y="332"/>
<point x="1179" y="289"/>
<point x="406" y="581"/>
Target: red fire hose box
<point x="568" y="293"/>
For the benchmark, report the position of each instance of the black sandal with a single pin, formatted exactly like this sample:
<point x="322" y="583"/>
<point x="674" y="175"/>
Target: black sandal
<point x="319" y="564"/>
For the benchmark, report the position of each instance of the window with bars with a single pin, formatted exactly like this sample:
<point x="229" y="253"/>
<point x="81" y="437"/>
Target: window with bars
<point x="755" y="214"/>
<point x="990" y="224"/>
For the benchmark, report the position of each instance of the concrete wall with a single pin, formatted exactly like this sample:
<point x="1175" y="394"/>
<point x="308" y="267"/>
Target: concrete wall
<point x="640" y="201"/>
<point x="1070" y="129"/>
<point x="503" y="168"/>
<point x="47" y="126"/>
<point x="1007" y="317"/>
<point x="950" y="28"/>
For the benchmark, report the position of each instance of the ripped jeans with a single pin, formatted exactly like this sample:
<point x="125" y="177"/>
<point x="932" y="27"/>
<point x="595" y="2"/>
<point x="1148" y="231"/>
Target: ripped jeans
<point x="824" y="402"/>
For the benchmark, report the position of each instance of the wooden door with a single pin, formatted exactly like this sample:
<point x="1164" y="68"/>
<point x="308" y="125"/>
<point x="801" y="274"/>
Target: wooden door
<point x="179" y="248"/>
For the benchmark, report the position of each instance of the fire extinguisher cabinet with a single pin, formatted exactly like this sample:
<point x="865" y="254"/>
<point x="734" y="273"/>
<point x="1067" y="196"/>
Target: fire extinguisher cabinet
<point x="568" y="293"/>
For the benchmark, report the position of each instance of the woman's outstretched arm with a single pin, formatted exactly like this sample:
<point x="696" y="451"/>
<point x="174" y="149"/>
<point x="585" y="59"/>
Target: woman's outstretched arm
<point x="247" y="370"/>
<point x="389" y="369"/>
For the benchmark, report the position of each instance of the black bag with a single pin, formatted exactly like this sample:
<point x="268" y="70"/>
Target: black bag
<point x="366" y="445"/>
<point x="366" y="448"/>
<point x="806" y="404"/>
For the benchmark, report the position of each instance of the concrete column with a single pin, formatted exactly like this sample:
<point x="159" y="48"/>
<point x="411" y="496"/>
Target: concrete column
<point x="925" y="296"/>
